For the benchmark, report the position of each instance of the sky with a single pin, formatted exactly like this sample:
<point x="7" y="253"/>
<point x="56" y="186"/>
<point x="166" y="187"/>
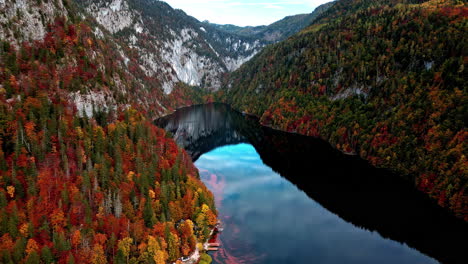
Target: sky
<point x="244" y="12"/>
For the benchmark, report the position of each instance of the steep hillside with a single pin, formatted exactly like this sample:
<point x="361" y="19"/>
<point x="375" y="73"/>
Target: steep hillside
<point x="21" y="21"/>
<point x="85" y="177"/>
<point x="279" y="30"/>
<point x="382" y="79"/>
<point x="170" y="45"/>
<point x="122" y="70"/>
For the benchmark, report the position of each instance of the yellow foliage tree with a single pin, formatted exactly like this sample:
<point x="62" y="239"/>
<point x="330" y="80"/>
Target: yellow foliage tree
<point x="31" y="246"/>
<point x="160" y="257"/>
<point x="205" y="208"/>
<point x="58" y="219"/>
<point x="98" y="256"/>
<point x="130" y="175"/>
<point x="153" y="246"/>
<point x="11" y="191"/>
<point x="152" y="194"/>
<point x="124" y="245"/>
<point x="200" y="246"/>
<point x="189" y="223"/>
<point x="200" y="220"/>
<point x="24" y="229"/>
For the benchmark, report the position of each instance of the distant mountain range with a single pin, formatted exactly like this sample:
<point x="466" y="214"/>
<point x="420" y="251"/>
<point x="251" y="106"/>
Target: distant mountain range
<point x="159" y="49"/>
<point x="175" y="47"/>
<point x="279" y="30"/>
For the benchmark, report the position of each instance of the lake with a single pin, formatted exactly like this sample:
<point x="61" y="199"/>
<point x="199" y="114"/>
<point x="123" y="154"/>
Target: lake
<point x="285" y="198"/>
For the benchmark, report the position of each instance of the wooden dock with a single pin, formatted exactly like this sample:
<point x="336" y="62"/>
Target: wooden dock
<point x="214" y="244"/>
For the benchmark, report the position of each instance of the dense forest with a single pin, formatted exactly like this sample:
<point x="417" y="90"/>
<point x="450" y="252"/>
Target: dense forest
<point x="100" y="185"/>
<point x="85" y="176"/>
<point x="385" y="80"/>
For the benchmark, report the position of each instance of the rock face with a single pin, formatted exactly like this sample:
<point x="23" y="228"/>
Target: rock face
<point x="148" y="52"/>
<point x="22" y="21"/>
<point x="82" y="48"/>
<point x="171" y="45"/>
<point x="175" y="47"/>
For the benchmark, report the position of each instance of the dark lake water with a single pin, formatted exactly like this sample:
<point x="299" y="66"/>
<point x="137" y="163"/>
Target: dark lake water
<point x="285" y="198"/>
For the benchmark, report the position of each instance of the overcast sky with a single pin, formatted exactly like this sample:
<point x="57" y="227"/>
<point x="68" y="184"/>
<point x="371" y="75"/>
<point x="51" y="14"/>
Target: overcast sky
<point x="244" y="12"/>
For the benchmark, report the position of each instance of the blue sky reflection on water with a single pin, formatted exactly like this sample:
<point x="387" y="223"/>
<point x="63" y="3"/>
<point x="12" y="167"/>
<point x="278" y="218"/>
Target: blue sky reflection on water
<point x="269" y="220"/>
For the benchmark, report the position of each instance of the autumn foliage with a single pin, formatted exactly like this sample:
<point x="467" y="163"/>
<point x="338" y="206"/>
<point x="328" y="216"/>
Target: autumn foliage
<point x="77" y="187"/>
<point x="385" y="80"/>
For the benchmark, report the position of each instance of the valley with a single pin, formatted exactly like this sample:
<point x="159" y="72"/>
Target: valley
<point x="87" y="177"/>
<point x="287" y="198"/>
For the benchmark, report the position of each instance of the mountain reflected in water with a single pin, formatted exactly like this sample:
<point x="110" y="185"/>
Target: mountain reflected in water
<point x="346" y="186"/>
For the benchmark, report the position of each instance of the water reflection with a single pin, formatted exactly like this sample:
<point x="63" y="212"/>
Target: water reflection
<point x="260" y="203"/>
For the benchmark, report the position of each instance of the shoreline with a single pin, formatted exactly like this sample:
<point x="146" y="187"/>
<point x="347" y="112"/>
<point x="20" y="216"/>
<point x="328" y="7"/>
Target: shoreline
<point x="196" y="255"/>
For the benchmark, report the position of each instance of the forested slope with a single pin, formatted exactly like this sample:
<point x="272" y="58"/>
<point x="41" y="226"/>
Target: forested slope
<point x="383" y="79"/>
<point x="171" y="46"/>
<point x="85" y="177"/>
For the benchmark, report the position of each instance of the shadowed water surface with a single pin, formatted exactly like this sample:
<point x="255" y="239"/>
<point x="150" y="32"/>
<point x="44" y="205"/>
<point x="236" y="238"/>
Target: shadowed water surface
<point x="286" y="198"/>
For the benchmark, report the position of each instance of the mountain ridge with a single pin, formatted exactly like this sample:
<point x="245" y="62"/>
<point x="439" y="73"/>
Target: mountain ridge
<point x="185" y="49"/>
<point x="85" y="176"/>
<point x="381" y="79"/>
<point x="278" y="30"/>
